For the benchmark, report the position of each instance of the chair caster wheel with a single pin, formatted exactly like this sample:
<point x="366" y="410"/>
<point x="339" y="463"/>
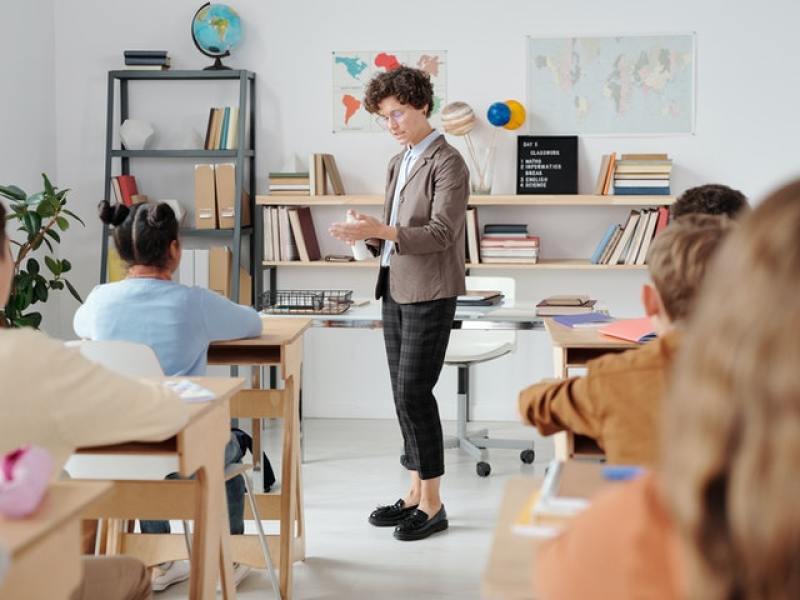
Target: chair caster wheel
<point x="483" y="469"/>
<point x="527" y="456"/>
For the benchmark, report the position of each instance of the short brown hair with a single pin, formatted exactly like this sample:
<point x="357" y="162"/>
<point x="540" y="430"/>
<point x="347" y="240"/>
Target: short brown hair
<point x="410" y="86"/>
<point x="710" y="199"/>
<point x="678" y="258"/>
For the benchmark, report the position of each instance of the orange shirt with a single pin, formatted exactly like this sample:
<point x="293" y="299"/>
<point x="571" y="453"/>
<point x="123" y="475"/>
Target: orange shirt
<point x="618" y="402"/>
<point x="623" y="546"/>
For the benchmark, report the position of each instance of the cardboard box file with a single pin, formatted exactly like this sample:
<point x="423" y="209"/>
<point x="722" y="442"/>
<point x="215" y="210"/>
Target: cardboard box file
<point x="225" y="174"/>
<point x="205" y="203"/>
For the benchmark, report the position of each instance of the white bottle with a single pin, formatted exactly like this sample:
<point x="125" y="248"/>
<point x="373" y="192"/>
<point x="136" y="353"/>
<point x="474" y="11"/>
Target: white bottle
<point x="360" y="250"/>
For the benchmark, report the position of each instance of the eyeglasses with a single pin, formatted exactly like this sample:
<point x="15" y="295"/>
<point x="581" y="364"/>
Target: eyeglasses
<point x="394" y="115"/>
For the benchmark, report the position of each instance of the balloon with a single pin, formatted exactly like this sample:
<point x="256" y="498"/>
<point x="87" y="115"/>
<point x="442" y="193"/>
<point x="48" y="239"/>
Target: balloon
<point x="498" y="114"/>
<point x="517" y="115"/>
<point x="458" y="118"/>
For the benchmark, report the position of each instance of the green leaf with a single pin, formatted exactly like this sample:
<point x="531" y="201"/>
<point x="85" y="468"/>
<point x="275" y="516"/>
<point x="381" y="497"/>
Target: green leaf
<point x="48" y="187"/>
<point x="45" y="209"/>
<point x="12" y="192"/>
<point x="49" y="245"/>
<point x="65" y="265"/>
<point x="53" y="234"/>
<point x="74" y="216"/>
<point x="55" y="267"/>
<point x="40" y="291"/>
<point x="29" y="224"/>
<point x="62" y="223"/>
<point x="55" y="284"/>
<point x="35" y="199"/>
<point x="35" y="245"/>
<point x="33" y="266"/>
<point x="33" y="319"/>
<point x="73" y="291"/>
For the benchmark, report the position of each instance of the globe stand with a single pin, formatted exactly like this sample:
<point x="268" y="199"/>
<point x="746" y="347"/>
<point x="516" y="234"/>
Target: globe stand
<point x="218" y="66"/>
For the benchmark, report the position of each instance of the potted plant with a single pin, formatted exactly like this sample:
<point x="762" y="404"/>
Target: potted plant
<point x="41" y="217"/>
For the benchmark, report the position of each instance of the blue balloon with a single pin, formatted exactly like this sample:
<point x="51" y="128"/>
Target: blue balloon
<point x="498" y="114"/>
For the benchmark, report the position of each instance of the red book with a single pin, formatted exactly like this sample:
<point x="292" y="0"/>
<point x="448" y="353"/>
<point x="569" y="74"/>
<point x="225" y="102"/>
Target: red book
<point x="127" y="185"/>
<point x="305" y="236"/>
<point x="663" y="218"/>
<point x="631" y="330"/>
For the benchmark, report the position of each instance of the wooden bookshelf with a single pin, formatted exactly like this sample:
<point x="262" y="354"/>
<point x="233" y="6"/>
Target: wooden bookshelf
<point x="529" y="200"/>
<point x="574" y="264"/>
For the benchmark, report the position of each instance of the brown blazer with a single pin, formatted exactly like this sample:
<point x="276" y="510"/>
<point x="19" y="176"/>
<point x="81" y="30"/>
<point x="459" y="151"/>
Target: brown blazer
<point x="428" y="263"/>
<point x="618" y="402"/>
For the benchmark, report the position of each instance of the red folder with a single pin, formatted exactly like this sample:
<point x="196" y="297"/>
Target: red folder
<point x="631" y="330"/>
<point x="127" y="185"/>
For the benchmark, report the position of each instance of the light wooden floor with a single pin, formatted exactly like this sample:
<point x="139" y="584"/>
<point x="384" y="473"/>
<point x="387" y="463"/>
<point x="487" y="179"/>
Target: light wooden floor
<point x="352" y="465"/>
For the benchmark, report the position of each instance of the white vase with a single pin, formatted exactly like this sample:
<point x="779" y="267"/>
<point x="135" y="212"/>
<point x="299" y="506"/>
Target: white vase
<point x="135" y="134"/>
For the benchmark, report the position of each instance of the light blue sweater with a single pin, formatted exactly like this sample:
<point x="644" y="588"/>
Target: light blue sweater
<point x="178" y="322"/>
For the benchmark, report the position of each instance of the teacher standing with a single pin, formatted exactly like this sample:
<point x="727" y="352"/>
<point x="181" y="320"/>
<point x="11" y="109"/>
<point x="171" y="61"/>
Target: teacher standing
<point x="420" y="242"/>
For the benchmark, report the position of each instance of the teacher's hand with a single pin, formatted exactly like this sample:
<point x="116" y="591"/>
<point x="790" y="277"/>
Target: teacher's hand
<point x="362" y="228"/>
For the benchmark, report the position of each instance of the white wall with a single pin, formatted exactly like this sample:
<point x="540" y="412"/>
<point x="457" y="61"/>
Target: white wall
<point x="747" y="127"/>
<point x="27" y="111"/>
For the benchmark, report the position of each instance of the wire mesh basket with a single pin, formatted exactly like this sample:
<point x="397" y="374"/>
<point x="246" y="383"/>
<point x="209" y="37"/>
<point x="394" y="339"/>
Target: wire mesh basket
<point x="306" y="302"/>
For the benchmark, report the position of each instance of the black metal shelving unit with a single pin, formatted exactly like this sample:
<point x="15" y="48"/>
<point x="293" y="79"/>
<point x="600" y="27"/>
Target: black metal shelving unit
<point x="246" y="151"/>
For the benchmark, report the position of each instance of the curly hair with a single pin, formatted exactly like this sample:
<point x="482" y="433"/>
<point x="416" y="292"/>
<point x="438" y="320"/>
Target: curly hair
<point x="410" y="86"/>
<point x="710" y="199"/>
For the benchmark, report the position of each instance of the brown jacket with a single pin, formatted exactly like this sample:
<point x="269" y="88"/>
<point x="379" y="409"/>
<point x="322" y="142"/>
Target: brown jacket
<point x="618" y="403"/>
<point x="623" y="546"/>
<point x="428" y="263"/>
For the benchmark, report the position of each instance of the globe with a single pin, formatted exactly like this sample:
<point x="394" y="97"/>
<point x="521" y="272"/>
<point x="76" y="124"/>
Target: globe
<point x="216" y="30"/>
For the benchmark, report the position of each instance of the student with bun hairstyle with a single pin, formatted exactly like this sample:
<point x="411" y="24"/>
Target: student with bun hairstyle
<point x="719" y="520"/>
<point x="177" y="321"/>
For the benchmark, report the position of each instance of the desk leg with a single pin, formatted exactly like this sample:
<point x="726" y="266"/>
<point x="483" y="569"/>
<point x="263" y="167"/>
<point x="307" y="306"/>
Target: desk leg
<point x="255" y="424"/>
<point x="563" y="440"/>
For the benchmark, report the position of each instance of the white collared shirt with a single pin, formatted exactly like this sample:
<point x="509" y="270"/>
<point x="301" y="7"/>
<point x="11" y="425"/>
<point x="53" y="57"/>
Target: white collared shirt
<point x="409" y="158"/>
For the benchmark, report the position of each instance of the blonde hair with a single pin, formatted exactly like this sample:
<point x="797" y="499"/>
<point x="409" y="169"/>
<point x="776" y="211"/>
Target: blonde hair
<point x="678" y="258"/>
<point x="731" y="441"/>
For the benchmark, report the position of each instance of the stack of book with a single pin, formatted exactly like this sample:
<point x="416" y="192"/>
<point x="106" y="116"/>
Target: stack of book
<point x="124" y="190"/>
<point x="289" y="234"/>
<point x="222" y="130"/>
<point x="289" y="183"/>
<point x="508" y="243"/>
<point x="321" y="168"/>
<point x="147" y="60"/>
<point x="642" y="175"/>
<point x="628" y="244"/>
<point x="565" y="305"/>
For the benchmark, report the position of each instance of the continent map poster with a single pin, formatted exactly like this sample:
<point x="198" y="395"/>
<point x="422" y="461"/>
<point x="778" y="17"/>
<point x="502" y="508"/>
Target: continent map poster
<point x="629" y="85"/>
<point x="352" y="71"/>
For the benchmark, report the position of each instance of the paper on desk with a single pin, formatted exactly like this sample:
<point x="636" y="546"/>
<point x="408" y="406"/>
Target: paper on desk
<point x="189" y="391"/>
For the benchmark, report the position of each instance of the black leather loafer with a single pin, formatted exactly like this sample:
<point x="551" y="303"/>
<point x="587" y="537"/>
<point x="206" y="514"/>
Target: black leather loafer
<point x="391" y="514"/>
<point x="418" y="526"/>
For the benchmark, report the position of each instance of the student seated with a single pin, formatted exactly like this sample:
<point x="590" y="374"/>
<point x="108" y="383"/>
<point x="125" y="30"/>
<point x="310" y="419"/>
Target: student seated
<point x="618" y="402"/>
<point x="719" y="520"/>
<point x="710" y="199"/>
<point x="177" y="321"/>
<point x="54" y="398"/>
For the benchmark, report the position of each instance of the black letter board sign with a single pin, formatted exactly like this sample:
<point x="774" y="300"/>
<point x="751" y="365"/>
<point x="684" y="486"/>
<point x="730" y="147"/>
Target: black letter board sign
<point x="547" y="164"/>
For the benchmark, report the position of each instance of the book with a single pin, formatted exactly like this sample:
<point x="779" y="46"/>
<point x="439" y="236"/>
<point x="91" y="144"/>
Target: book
<point x="127" y="188"/>
<point x="144" y="53"/>
<point x="519" y="252"/>
<point x="565" y="300"/>
<point x="285" y="187"/>
<point x="146" y="67"/>
<point x="627" y="233"/>
<point x="304" y="234"/>
<point x="288" y="175"/>
<point x="648" y="183"/>
<point x="223" y="135"/>
<point x="631" y="330"/>
<point x="233" y="129"/>
<point x="147" y="60"/>
<point x="599" y="185"/>
<point x="189" y="391"/>
<point x="591" y="319"/>
<point x="225" y="178"/>
<point x="473" y="246"/>
<point x="636" y="239"/>
<point x="612" y="244"/>
<point x="320" y="180"/>
<point x="117" y="270"/>
<point x="304" y="181"/>
<point x="201" y="264"/>
<point x="644" y="157"/>
<point x="641" y="191"/>
<point x="208" y="129"/>
<point x="115" y="191"/>
<point x="612" y="170"/>
<point x="267" y="237"/>
<point x="663" y="218"/>
<point x="480" y="298"/>
<point x="642" y="176"/>
<point x="213" y="137"/>
<point x="649" y="234"/>
<point x="205" y="197"/>
<point x="505" y="228"/>
<point x="642" y="168"/>
<point x="332" y="171"/>
<point x="552" y="311"/>
<point x="598" y="251"/>
<point x="511" y="260"/>
<point x="287" y="243"/>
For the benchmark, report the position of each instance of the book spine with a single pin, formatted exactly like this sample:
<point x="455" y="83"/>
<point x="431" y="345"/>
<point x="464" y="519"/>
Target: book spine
<point x="226" y="122"/>
<point x="641" y="191"/>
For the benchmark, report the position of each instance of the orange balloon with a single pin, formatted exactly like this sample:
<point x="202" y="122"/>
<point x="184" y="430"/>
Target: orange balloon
<point x="517" y="115"/>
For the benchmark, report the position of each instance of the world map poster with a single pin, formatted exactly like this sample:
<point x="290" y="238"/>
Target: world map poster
<point x="353" y="70"/>
<point x="627" y="85"/>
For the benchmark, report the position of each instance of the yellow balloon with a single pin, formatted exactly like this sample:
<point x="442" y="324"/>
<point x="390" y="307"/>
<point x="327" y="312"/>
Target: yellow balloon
<point x="517" y="115"/>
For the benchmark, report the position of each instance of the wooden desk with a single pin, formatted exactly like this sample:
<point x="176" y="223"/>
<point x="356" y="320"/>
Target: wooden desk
<point x="280" y="345"/>
<point x="509" y="572"/>
<point x="573" y="348"/>
<point x="45" y="547"/>
<point x="199" y="447"/>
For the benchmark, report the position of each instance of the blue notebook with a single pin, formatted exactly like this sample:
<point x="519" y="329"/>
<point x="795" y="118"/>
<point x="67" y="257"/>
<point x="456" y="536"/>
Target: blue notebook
<point x="591" y="319"/>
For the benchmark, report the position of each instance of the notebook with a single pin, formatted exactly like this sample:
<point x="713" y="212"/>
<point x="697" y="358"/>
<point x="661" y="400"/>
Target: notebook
<point x="480" y="298"/>
<point x="592" y="319"/>
<point x="189" y="391"/>
<point x="631" y="330"/>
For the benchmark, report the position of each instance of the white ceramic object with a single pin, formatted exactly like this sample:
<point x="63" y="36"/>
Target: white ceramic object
<point x="176" y="208"/>
<point x="360" y="250"/>
<point x="135" y="134"/>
